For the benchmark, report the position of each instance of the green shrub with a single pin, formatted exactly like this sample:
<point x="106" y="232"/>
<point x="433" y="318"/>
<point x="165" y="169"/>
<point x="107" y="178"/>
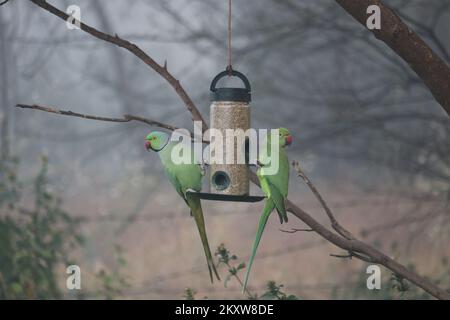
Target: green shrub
<point x="33" y="241"/>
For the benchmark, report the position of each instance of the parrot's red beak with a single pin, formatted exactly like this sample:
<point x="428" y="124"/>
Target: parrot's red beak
<point x="148" y="145"/>
<point x="289" y="140"/>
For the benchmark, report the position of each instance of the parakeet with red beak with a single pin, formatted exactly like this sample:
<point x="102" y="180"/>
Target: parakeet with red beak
<point x="274" y="186"/>
<point x="184" y="178"/>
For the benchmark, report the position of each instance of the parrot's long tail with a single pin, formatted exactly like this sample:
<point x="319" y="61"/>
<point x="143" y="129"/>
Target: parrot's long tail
<point x="268" y="208"/>
<point x="197" y="212"/>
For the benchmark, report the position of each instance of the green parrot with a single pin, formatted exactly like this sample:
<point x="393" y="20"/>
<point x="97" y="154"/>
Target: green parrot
<point x="184" y="178"/>
<point x="275" y="187"/>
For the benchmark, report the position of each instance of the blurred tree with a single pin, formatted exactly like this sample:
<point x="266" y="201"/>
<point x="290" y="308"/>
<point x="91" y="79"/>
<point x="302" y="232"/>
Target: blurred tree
<point x="33" y="242"/>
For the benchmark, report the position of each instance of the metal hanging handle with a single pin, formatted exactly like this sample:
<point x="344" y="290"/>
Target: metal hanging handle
<point x="233" y="73"/>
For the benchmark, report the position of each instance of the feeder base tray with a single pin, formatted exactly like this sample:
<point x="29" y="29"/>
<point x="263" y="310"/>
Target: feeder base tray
<point x="226" y="197"/>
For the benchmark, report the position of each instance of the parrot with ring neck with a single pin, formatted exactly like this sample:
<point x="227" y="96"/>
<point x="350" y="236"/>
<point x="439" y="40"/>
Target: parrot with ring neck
<point x="274" y="186"/>
<point x="184" y="178"/>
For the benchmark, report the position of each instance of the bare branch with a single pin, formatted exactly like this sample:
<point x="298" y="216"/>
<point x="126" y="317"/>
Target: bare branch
<point x="430" y="32"/>
<point x="352" y="254"/>
<point x="135" y="50"/>
<point x="126" y="118"/>
<point x="295" y="230"/>
<point x="342" y="256"/>
<point x="334" y="223"/>
<point x="433" y="71"/>
<point x="4" y="2"/>
<point x="362" y="248"/>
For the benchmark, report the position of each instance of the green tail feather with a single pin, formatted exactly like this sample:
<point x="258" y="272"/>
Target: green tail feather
<point x="197" y="212"/>
<point x="268" y="208"/>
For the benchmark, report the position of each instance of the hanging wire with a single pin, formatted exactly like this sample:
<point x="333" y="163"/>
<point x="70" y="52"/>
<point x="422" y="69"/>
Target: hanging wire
<point x="229" y="67"/>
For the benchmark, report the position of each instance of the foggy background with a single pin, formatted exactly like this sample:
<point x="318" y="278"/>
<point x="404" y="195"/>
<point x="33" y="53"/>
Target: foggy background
<point x="366" y="130"/>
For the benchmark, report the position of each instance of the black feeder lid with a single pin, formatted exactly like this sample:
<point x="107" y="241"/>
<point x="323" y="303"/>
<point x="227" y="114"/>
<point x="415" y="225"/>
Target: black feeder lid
<point x="231" y="94"/>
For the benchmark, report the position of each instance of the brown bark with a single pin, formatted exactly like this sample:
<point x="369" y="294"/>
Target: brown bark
<point x="433" y="71"/>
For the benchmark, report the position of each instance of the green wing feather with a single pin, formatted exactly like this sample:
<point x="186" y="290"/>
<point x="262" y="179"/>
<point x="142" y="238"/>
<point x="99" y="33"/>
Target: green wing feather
<point x="278" y="199"/>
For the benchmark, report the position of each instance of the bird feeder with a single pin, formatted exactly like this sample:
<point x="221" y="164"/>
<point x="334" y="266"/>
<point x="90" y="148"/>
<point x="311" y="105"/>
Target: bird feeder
<point x="230" y="109"/>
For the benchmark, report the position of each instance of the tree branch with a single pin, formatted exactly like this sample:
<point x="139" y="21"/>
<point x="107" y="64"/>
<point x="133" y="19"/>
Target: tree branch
<point x="433" y="71"/>
<point x="126" y="117"/>
<point x="334" y="223"/>
<point x="363" y="251"/>
<point x="352" y="254"/>
<point x="375" y="255"/>
<point x="295" y="230"/>
<point x="135" y="50"/>
<point x="430" y="32"/>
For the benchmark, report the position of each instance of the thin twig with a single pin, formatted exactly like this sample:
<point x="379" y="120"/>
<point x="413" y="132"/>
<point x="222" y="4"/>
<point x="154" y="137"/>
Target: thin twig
<point x="342" y="256"/>
<point x="294" y="230"/>
<point x="250" y="295"/>
<point x="126" y="117"/>
<point x="334" y="223"/>
<point x="352" y="254"/>
<point x="3" y="2"/>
